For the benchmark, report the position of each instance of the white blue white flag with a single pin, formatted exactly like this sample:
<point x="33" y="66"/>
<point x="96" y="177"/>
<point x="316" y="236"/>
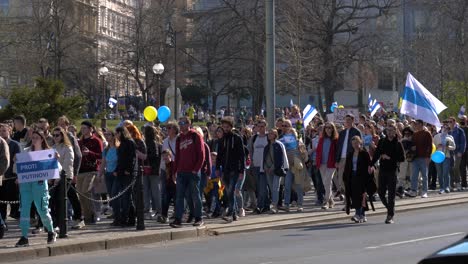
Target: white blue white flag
<point x="461" y="113"/>
<point x="291" y="103"/>
<point x="112" y="102"/>
<point x="375" y="106"/>
<point x="419" y="103"/>
<point x="308" y="114"/>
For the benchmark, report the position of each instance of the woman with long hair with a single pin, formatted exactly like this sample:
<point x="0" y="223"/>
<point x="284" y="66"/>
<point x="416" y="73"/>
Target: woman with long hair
<point x="325" y="161"/>
<point x="357" y="178"/>
<point x="38" y="193"/>
<point x="151" y="188"/>
<point x="126" y="159"/>
<point x="109" y="161"/>
<point x="64" y="150"/>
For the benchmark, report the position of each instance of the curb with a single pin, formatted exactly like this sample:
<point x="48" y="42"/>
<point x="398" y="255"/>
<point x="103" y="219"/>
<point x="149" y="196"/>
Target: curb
<point x="73" y="247"/>
<point x="326" y="218"/>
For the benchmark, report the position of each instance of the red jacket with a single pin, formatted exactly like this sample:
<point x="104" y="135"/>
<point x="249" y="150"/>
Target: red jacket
<point x="331" y="154"/>
<point x="190" y="152"/>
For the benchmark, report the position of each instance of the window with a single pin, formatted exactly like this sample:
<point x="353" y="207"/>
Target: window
<point x="4" y="7"/>
<point x="386" y="79"/>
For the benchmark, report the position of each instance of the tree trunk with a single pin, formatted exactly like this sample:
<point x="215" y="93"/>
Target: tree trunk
<point x="214" y="98"/>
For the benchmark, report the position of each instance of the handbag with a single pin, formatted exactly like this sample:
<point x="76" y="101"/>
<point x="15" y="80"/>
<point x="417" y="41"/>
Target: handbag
<point x="280" y="172"/>
<point x="147" y="169"/>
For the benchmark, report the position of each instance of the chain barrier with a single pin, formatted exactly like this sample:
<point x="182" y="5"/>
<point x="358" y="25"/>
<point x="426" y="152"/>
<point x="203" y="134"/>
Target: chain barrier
<point x="17" y="202"/>
<point x="109" y="199"/>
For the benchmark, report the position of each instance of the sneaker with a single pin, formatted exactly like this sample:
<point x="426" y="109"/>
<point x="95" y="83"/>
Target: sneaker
<point x="51" y="237"/>
<point x="176" y="224"/>
<point x="161" y="219"/>
<point x="228" y="219"/>
<point x="190" y="219"/>
<point x="447" y="190"/>
<point x="424" y="195"/>
<point x="2" y="231"/>
<point x="79" y="225"/>
<point x="411" y="194"/>
<point x="23" y="242"/>
<point x="257" y="211"/>
<point x="274" y="210"/>
<point x="363" y="219"/>
<point x="324" y="207"/>
<point x="234" y="218"/>
<point x="198" y="222"/>
<point x="242" y="212"/>
<point x="37" y="230"/>
<point x="355" y="218"/>
<point x="389" y="220"/>
<point x="286" y="209"/>
<point x="300" y="209"/>
<point x="331" y="204"/>
<point x="441" y="191"/>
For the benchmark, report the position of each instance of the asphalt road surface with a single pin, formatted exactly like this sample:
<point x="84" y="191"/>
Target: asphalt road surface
<point x="415" y="235"/>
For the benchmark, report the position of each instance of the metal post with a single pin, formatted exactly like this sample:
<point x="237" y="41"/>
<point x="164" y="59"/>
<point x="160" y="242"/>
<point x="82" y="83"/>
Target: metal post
<point x="140" y="214"/>
<point x="158" y="92"/>
<point x="270" y="62"/>
<point x="103" y="94"/>
<point x="176" y="108"/>
<point x="62" y="207"/>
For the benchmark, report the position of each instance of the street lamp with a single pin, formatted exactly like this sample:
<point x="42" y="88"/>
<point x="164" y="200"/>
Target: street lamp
<point x="171" y="41"/>
<point x="158" y="69"/>
<point x="103" y="71"/>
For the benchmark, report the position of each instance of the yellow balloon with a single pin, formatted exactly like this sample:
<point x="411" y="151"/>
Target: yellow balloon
<point x="340" y="106"/>
<point x="433" y="148"/>
<point x="150" y="113"/>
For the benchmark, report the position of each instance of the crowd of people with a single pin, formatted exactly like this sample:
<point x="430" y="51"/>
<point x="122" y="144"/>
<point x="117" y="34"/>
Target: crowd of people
<point x="221" y="170"/>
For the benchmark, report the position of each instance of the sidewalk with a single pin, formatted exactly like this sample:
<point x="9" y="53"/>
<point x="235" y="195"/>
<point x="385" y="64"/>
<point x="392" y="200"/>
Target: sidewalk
<point x="102" y="236"/>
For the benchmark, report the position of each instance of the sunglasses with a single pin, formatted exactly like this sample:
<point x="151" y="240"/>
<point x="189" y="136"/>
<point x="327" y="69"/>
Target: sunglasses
<point x="182" y="123"/>
<point x="286" y="126"/>
<point x="57" y="135"/>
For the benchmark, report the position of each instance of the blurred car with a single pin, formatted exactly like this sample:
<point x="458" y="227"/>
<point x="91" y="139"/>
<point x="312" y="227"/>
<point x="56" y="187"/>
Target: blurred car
<point x="456" y="253"/>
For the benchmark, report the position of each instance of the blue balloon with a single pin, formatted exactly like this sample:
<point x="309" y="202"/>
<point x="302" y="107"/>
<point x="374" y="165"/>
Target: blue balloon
<point x="164" y="113"/>
<point x="332" y="108"/>
<point x="438" y="157"/>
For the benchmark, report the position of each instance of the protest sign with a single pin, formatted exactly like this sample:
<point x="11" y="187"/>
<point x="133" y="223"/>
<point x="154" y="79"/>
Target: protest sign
<point x="37" y="166"/>
<point x="340" y="114"/>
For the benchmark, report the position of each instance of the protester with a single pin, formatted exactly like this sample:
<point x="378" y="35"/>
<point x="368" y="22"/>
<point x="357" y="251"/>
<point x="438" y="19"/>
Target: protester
<point x="390" y="153"/>
<point x="325" y="161"/>
<point x="188" y="164"/>
<point x="445" y="143"/>
<point x="422" y="140"/>
<point x="37" y="192"/>
<point x="460" y="143"/>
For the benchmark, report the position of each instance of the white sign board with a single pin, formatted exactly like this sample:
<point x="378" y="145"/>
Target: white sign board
<point x="36" y="166"/>
<point x="340" y="114"/>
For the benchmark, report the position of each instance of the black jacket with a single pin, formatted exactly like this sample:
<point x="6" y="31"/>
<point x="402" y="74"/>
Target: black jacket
<point x="153" y="157"/>
<point x="231" y="154"/>
<point x="126" y="157"/>
<point x="393" y="149"/>
<point x="352" y="132"/>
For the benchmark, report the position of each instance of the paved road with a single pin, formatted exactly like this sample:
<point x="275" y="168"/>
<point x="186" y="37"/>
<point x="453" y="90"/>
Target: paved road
<point x="414" y="236"/>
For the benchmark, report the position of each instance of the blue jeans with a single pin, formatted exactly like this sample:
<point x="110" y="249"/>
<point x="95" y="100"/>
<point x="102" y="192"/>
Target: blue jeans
<point x="238" y="192"/>
<point x="168" y="193"/>
<point x="288" y="185"/>
<point x="109" y="178"/>
<point x="443" y="171"/>
<point x="121" y="205"/>
<point x="274" y="185"/>
<point x="1" y="220"/>
<point x="262" y="189"/>
<point x="419" y="165"/>
<point x="188" y="188"/>
<point x="361" y="211"/>
<point x="230" y="180"/>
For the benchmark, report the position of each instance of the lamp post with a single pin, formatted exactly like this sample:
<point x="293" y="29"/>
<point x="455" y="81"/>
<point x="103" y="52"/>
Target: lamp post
<point x="103" y="71"/>
<point x="158" y="69"/>
<point x="171" y="41"/>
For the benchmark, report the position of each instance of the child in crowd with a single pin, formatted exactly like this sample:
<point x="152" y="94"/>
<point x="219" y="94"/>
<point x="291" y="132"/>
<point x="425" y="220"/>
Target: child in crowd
<point x="214" y="190"/>
<point x="168" y="185"/>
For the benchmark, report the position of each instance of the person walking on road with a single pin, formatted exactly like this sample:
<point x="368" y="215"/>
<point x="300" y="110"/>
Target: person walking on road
<point x="390" y="153"/>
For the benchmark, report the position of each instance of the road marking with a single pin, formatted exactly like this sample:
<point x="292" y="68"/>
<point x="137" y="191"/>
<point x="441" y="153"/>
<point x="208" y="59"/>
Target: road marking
<point x="414" y="240"/>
